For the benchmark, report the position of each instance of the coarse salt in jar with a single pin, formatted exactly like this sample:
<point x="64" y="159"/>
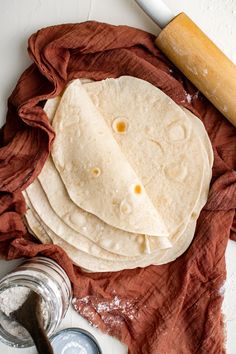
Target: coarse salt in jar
<point x="43" y="276"/>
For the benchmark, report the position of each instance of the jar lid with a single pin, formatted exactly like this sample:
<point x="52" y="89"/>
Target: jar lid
<point x="74" y="341"/>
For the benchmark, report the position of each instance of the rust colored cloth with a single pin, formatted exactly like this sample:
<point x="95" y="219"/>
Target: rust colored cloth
<point x="169" y="309"/>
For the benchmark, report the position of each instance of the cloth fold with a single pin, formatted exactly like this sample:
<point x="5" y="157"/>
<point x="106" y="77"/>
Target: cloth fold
<point x="169" y="309"/>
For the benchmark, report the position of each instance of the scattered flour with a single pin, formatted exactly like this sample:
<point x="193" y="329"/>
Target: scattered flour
<point x="112" y="312"/>
<point x="205" y="72"/>
<point x="222" y="290"/>
<point x="225" y="108"/>
<point x="196" y="95"/>
<point x="188" y="98"/>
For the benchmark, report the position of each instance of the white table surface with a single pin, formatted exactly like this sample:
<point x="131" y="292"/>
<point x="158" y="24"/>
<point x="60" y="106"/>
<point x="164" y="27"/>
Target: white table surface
<point x="20" y="18"/>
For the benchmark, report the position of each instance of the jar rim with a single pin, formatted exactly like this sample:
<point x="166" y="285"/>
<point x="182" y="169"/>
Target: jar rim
<point x="80" y="331"/>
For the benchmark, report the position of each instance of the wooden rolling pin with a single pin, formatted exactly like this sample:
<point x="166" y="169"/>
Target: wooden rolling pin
<point x="199" y="59"/>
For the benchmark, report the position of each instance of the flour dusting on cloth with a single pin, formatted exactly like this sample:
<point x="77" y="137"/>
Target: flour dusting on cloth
<point x="114" y="312"/>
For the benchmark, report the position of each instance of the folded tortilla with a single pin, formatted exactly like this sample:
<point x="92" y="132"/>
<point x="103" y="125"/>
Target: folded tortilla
<point x="96" y="174"/>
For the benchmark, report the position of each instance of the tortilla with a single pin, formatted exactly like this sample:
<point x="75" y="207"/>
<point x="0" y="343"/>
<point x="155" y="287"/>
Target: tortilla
<point x="199" y="128"/>
<point x="87" y="224"/>
<point x="38" y="200"/>
<point x="98" y="261"/>
<point x="107" y="237"/>
<point x="157" y="139"/>
<point x="36" y="230"/>
<point x="90" y="242"/>
<point x="97" y="175"/>
<point x="93" y="263"/>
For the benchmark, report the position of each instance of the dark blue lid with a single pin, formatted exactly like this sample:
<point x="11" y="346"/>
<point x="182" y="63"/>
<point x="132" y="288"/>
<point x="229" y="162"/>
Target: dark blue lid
<point x="74" y="341"/>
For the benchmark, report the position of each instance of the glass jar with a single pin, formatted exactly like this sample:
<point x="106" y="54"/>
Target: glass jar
<point x="49" y="280"/>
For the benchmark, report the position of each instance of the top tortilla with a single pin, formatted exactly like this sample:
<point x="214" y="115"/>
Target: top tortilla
<point x="158" y="141"/>
<point x="158" y="144"/>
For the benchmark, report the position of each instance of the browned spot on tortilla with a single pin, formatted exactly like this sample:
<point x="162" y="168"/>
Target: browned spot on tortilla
<point x="137" y="189"/>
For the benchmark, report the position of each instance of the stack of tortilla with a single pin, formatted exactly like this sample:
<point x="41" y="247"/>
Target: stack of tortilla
<point x="128" y="175"/>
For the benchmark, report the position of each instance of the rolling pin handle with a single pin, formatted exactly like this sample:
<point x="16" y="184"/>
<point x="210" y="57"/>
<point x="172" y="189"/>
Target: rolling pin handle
<point x="157" y="10"/>
<point x="199" y="59"/>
